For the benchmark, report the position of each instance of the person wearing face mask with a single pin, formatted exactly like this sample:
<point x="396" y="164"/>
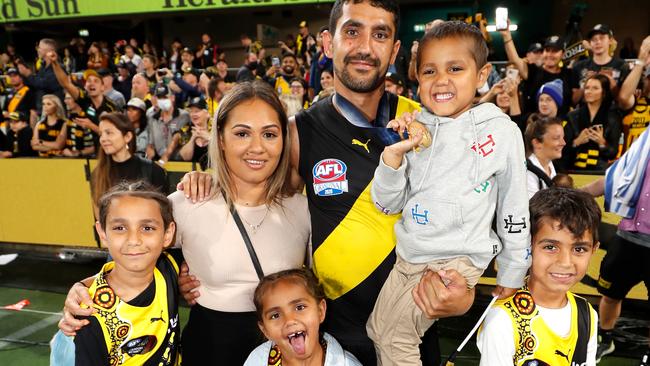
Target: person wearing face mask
<point x="280" y="76"/>
<point x="248" y="70"/>
<point x="534" y="76"/>
<point x="162" y="122"/>
<point x="91" y="99"/>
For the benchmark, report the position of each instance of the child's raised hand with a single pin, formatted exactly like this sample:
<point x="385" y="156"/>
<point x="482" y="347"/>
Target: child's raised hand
<point x="503" y="292"/>
<point x="393" y="154"/>
<point x="400" y="124"/>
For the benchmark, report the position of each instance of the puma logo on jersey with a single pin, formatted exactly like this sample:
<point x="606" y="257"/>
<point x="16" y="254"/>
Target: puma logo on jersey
<point x="158" y="319"/>
<point x="365" y="146"/>
<point x="559" y="353"/>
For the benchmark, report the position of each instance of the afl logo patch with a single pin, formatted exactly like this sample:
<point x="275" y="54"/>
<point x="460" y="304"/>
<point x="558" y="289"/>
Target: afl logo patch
<point x="330" y="177"/>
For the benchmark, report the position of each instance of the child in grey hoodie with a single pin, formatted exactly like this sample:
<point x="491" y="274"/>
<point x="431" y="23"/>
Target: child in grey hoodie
<point x="449" y="192"/>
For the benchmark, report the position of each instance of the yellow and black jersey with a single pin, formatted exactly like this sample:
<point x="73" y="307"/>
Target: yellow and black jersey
<point x="353" y="242"/>
<point x="635" y="122"/>
<point x="49" y="134"/>
<point x="281" y="84"/>
<point x="536" y="343"/>
<point x="78" y="137"/>
<point x="143" y="331"/>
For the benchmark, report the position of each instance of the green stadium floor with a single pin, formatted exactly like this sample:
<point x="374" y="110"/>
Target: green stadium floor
<point x="24" y="335"/>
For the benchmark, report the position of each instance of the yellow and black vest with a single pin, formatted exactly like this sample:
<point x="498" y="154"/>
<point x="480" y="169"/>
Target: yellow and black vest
<point x="137" y="335"/>
<point x="635" y="122"/>
<point x="353" y="242"/>
<point x="536" y="343"/>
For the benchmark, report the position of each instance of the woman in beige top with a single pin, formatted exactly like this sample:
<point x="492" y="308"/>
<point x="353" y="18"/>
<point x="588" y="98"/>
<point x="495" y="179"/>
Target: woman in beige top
<point x="249" y="152"/>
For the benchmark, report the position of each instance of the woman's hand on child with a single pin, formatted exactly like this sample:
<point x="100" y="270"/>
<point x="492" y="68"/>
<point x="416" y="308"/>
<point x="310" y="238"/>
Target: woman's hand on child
<point x="196" y="185"/>
<point x="187" y="285"/>
<point x="437" y="300"/>
<point x="77" y="295"/>
<point x="503" y="292"/>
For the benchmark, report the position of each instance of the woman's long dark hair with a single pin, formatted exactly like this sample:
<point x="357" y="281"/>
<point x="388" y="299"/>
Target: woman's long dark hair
<point x="103" y="176"/>
<point x="605" y="85"/>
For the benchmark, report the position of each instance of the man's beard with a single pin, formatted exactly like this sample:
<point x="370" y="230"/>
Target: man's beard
<point x="288" y="70"/>
<point x="360" y="85"/>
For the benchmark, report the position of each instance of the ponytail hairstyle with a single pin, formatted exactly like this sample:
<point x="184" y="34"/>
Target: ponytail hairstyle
<point x="536" y="129"/>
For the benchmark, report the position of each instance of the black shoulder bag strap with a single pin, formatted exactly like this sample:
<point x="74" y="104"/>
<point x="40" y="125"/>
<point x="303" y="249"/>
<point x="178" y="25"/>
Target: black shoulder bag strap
<point x="541" y="175"/>
<point x="247" y="241"/>
<point x="584" y="331"/>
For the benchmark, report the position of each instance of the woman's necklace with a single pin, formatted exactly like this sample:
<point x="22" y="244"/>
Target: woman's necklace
<point x="254" y="227"/>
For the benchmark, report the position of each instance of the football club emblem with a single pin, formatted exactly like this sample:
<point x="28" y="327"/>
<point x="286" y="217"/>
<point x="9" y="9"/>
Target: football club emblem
<point x="330" y="177"/>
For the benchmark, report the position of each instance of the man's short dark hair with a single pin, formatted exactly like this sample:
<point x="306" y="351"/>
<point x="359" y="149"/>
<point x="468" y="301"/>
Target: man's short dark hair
<point x="574" y="210"/>
<point x="390" y="6"/>
<point x="289" y="54"/>
<point x="456" y="29"/>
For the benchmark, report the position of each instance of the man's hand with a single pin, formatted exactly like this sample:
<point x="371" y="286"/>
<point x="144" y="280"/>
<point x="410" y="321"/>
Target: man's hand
<point x="201" y="132"/>
<point x="78" y="294"/>
<point x="51" y="57"/>
<point x="196" y="185"/>
<point x="24" y="70"/>
<point x="188" y="284"/>
<point x="443" y="294"/>
<point x="83" y="122"/>
<point x="505" y="33"/>
<point x="503" y="292"/>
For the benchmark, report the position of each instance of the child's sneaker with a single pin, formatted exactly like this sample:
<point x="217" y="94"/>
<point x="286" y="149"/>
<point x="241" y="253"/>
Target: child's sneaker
<point x="605" y="344"/>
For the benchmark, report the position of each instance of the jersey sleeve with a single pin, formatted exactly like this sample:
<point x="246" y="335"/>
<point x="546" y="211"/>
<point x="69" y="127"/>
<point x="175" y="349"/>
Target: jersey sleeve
<point x="389" y="188"/>
<point x="495" y="339"/>
<point x="90" y="347"/>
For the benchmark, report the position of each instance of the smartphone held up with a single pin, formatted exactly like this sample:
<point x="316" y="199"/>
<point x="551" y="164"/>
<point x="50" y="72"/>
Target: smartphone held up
<point x="501" y="19"/>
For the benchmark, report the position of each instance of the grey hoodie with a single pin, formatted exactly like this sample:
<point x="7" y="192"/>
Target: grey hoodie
<point x="449" y="193"/>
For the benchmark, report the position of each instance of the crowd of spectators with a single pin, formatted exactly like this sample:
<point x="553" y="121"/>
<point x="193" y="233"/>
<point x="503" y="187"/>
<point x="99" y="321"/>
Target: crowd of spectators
<point x="157" y="89"/>
<point x="136" y="109"/>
